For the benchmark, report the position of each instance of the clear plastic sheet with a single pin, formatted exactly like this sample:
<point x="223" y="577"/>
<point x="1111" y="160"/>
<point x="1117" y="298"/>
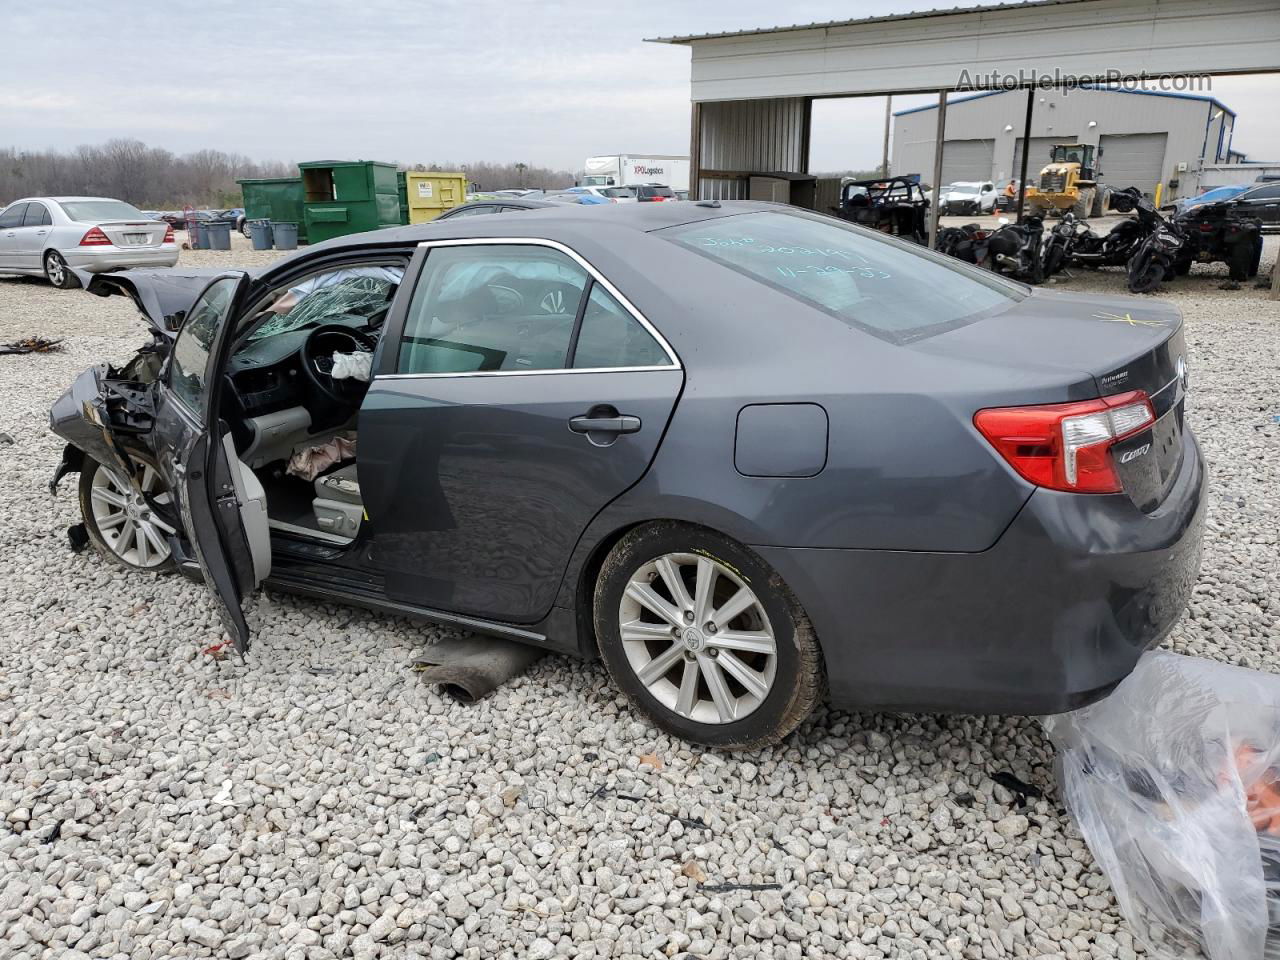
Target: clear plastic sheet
<point x="1174" y="781"/>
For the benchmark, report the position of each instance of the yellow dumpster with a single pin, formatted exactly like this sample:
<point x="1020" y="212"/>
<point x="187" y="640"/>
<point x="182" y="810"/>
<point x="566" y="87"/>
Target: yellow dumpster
<point x="428" y="194"/>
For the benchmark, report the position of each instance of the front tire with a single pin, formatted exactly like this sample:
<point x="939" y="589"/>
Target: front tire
<point x="58" y="273"/>
<point x="705" y="638"/>
<point x="122" y="527"/>
<point x="1146" y="277"/>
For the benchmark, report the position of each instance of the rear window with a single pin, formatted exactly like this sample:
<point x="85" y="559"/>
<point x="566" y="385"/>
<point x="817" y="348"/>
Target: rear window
<point x="100" y="211"/>
<point x="656" y="192"/>
<point x="895" y="290"/>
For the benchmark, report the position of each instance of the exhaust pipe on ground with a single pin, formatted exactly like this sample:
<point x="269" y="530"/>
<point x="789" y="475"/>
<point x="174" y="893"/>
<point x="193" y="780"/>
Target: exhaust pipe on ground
<point x="470" y="669"/>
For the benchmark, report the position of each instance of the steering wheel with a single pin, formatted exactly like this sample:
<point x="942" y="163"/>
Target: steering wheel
<point x="317" y="353"/>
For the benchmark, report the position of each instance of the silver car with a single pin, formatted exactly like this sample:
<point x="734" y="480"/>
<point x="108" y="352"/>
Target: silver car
<point x="46" y="235"/>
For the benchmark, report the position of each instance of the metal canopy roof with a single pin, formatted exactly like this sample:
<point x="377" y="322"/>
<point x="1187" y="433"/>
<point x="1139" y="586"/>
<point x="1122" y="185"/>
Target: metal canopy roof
<point x="823" y="24"/>
<point x="981" y="48"/>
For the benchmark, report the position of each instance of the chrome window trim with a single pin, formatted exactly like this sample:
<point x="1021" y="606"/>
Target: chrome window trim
<point x="595" y="274"/>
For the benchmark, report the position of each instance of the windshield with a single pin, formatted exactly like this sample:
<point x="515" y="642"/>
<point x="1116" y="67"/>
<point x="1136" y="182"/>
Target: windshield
<point x="100" y="211"/>
<point x="963" y="189"/>
<point x="889" y="288"/>
<point x="349" y="291"/>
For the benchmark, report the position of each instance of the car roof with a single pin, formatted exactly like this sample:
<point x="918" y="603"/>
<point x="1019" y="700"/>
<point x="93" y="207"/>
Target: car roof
<point x="557" y="221"/>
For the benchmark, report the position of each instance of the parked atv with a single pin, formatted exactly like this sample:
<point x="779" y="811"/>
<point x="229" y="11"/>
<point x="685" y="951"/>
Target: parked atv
<point x="1221" y="233"/>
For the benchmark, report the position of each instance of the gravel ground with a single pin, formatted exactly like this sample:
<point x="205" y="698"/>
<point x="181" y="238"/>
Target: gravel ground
<point x="317" y="802"/>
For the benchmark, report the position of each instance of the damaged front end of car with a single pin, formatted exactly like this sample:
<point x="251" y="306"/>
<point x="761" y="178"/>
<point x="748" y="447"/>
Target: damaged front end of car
<point x="108" y="413"/>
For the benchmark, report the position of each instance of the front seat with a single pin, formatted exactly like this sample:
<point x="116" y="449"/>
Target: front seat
<point x="338" y="508"/>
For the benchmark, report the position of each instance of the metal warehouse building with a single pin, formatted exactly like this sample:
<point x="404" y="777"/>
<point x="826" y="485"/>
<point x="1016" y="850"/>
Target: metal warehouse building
<point x="1144" y="137"/>
<point x="753" y="90"/>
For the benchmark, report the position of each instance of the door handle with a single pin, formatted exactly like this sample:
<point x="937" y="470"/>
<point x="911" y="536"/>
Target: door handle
<point x="622" y="423"/>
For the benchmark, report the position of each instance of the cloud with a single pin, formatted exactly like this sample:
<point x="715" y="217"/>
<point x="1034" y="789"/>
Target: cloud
<point x="548" y="83"/>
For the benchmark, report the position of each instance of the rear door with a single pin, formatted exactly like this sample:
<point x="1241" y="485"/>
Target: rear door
<point x="224" y="519"/>
<point x="518" y="392"/>
<point x="1263" y="203"/>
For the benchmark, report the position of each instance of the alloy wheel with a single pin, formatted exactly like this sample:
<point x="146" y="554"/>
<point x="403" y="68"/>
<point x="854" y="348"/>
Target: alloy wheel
<point x="125" y="519"/>
<point x="698" y="638"/>
<point x="56" y="269"/>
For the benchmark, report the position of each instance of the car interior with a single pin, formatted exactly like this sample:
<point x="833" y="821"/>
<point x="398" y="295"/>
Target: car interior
<point x="302" y="362"/>
<point x="296" y="378"/>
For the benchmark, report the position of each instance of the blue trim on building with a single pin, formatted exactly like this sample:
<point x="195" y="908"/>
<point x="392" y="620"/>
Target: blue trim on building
<point x="1144" y="93"/>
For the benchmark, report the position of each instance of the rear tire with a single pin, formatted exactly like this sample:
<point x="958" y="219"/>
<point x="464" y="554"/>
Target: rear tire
<point x="744" y="678"/>
<point x="58" y="273"/>
<point x="134" y="542"/>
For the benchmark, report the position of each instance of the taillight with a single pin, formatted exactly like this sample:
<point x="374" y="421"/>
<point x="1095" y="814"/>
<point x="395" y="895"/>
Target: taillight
<point x="95" y="238"/>
<point x="1066" y="446"/>
<point x="168" y="235"/>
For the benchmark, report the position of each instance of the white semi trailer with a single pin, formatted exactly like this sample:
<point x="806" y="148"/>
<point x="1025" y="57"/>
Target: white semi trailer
<point x="627" y="170"/>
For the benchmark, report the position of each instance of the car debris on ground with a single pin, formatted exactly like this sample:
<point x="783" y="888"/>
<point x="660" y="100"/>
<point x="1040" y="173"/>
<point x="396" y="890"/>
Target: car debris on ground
<point x="30" y="345"/>
<point x="1174" y="781"/>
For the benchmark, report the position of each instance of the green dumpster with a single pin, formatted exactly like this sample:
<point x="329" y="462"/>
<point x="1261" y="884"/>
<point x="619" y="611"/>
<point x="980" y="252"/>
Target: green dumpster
<point x="342" y="197"/>
<point x="275" y="198"/>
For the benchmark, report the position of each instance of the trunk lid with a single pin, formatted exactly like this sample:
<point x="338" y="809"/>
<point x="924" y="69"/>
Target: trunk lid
<point x="1121" y="343"/>
<point x="134" y="234"/>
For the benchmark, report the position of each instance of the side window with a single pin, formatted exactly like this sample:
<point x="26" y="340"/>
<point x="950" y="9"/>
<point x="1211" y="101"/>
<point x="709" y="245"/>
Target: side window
<point x="492" y="307"/>
<point x="37" y="215"/>
<point x="188" y="369"/>
<point x="611" y="337"/>
<point x="1266" y="193"/>
<point x="13" y="216"/>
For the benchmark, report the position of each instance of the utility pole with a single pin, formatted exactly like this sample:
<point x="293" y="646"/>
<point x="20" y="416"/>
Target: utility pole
<point x="888" y="119"/>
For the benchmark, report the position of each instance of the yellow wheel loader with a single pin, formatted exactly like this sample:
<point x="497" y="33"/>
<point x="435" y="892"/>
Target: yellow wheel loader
<point x="1069" y="182"/>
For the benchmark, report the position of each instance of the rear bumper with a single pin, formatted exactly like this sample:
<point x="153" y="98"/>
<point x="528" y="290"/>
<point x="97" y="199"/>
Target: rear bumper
<point x="101" y="259"/>
<point x="1050" y="618"/>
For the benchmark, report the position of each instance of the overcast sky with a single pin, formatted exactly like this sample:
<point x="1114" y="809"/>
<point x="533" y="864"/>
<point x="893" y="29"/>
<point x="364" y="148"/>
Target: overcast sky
<point x="433" y="80"/>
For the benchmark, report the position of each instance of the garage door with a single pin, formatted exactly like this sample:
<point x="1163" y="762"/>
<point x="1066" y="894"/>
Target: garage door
<point x="966" y="160"/>
<point x="1038" y="158"/>
<point x="1132" y="160"/>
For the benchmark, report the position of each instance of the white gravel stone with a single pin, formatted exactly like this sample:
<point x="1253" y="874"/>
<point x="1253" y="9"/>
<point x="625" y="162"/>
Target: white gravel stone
<point x="155" y="802"/>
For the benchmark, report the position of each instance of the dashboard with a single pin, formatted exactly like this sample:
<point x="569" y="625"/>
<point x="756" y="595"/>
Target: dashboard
<point x="266" y="375"/>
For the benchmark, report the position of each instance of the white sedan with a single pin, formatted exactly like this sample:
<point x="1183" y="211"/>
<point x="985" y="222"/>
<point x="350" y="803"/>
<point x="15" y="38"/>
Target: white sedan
<point x="48" y="235"/>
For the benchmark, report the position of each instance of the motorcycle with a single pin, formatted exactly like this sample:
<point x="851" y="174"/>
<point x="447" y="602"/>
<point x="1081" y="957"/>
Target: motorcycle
<point x="1061" y="241"/>
<point x="1015" y="249"/>
<point x="1157" y="256"/>
<point x="1116" y="248"/>
<point x="967" y="243"/>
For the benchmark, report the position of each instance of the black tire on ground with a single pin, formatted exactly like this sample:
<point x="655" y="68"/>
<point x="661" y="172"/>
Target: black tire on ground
<point x="85" y="490"/>
<point x="1183" y="267"/>
<point x="1240" y="260"/>
<point x="1083" y="206"/>
<point x="1147" y="277"/>
<point x="245" y="231"/>
<point x="798" y="682"/>
<point x="58" y="273"/>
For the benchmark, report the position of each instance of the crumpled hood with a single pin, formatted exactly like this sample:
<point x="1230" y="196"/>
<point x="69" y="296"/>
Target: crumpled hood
<point x="158" y="294"/>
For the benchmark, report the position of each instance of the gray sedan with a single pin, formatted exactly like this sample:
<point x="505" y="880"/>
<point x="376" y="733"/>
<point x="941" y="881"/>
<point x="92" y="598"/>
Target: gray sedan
<point x="46" y="235"/>
<point x="751" y="456"/>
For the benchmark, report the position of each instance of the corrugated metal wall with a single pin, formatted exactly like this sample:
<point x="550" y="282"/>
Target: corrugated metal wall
<point x="750" y="136"/>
